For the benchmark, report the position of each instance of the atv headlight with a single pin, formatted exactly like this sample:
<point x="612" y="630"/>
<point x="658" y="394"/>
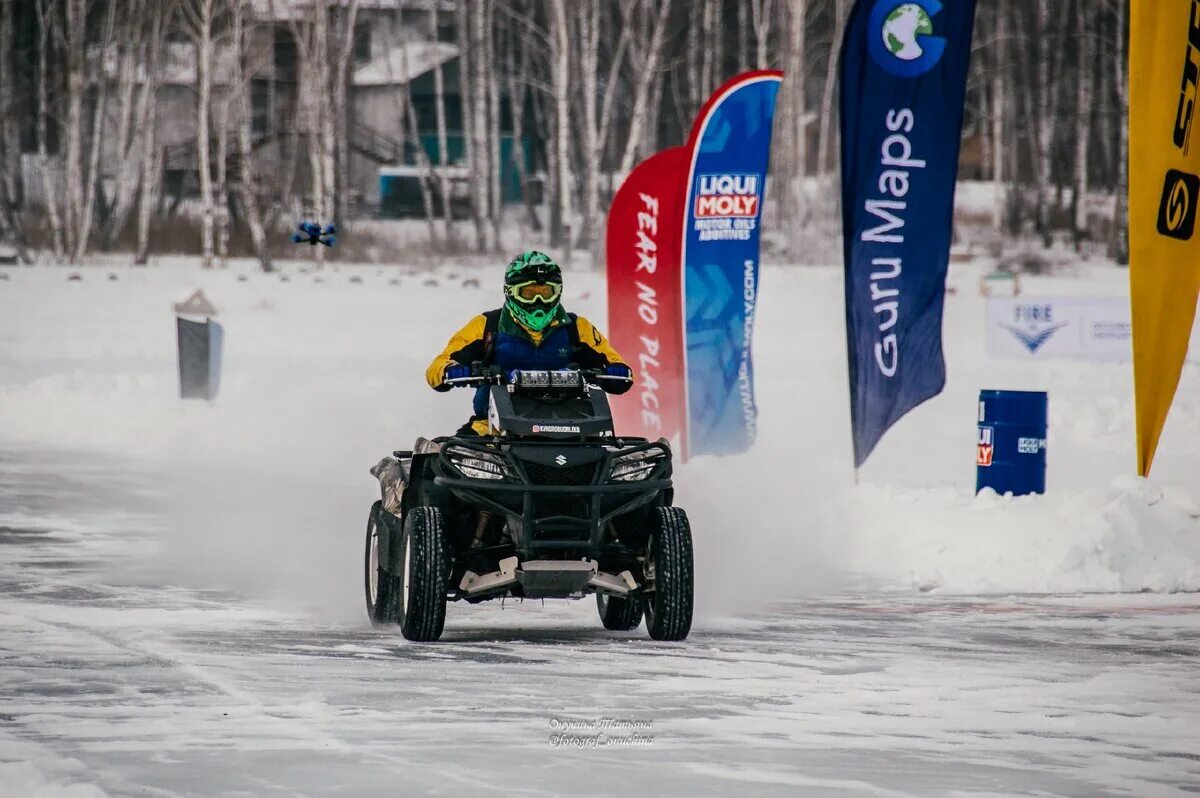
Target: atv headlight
<point x="479" y="469"/>
<point x="636" y="466"/>
<point x="480" y="465"/>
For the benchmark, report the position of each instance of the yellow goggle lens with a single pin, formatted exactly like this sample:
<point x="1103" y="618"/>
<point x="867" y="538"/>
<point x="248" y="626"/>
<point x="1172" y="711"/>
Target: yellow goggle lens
<point x="534" y="292"/>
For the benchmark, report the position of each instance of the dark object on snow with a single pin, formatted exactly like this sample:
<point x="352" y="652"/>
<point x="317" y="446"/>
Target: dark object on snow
<point x="471" y="282"/>
<point x="4" y="278"/>
<point x="548" y="504"/>
<point x="199" y="340"/>
<point x="357" y="280"/>
<point x="430" y="282"/>
<point x="394" y="281"/>
<point x="313" y="234"/>
<point x="243" y="278"/>
<point x="112" y="277"/>
<point x="1010" y="456"/>
<point x="199" y="358"/>
<point x="74" y="277"/>
<point x="283" y="278"/>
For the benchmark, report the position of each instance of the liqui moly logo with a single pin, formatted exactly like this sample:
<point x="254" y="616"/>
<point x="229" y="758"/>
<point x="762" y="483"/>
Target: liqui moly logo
<point x="727" y="197"/>
<point x="986" y="448"/>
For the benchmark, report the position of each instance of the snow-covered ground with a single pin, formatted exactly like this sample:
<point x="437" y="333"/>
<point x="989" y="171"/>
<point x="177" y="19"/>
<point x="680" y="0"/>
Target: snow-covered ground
<point x="181" y="582"/>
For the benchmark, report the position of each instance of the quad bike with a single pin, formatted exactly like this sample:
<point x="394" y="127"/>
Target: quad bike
<point x="552" y="504"/>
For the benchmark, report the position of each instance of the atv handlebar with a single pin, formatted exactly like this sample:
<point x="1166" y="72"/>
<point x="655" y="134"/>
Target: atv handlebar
<point x="490" y="375"/>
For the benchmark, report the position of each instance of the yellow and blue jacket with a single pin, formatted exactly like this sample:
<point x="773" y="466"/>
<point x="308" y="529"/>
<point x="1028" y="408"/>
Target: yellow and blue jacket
<point x="494" y="338"/>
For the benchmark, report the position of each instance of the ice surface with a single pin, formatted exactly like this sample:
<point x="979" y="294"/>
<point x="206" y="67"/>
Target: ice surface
<point x="180" y="608"/>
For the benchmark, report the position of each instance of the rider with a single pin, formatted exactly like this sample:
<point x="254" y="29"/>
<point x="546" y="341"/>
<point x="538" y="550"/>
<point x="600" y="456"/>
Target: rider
<point x="531" y="331"/>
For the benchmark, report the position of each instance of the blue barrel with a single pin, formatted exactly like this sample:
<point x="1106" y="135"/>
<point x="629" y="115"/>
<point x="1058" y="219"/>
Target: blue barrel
<point x="1010" y="456"/>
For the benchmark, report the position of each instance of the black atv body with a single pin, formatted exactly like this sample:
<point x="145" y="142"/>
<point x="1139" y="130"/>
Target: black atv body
<point x="551" y="505"/>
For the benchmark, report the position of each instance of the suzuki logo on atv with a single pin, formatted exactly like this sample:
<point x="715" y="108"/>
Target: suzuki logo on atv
<point x="560" y="460"/>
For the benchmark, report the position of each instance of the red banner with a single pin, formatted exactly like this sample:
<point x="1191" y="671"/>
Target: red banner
<point x="645" y="313"/>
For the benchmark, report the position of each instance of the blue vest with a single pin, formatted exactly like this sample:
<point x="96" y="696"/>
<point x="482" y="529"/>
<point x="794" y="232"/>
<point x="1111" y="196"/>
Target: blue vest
<point x="513" y="351"/>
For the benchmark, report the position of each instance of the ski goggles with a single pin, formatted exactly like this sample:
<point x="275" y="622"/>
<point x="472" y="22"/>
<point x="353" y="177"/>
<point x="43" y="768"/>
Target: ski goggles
<point x="533" y="291"/>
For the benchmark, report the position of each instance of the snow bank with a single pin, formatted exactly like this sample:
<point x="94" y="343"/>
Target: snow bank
<point x="324" y="374"/>
<point x="1130" y="537"/>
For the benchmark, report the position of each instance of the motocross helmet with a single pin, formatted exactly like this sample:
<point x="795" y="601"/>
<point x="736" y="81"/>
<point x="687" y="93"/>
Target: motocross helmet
<point x="533" y="289"/>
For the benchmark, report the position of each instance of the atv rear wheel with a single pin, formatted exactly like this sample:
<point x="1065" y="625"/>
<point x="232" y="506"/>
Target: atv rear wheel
<point x="377" y="583"/>
<point x="619" y="614"/>
<point x="669" y="571"/>
<point x="421" y="568"/>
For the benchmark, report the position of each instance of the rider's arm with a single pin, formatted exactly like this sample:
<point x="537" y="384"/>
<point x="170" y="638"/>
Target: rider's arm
<point x="464" y="348"/>
<point x="595" y="352"/>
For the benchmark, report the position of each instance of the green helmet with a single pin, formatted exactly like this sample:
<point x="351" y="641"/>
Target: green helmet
<point x="533" y="289"/>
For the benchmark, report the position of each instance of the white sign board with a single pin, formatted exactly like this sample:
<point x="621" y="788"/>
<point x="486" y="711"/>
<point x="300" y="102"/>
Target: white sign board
<point x="1080" y="328"/>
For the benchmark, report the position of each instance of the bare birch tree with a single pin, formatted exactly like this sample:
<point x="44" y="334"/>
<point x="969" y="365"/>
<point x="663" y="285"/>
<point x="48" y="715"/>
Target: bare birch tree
<point x="443" y="146"/>
<point x="487" y="115"/>
<point x="560" y="164"/>
<point x="517" y="75"/>
<point x="1000" y="112"/>
<point x="339" y="131"/>
<point x="762" y="14"/>
<point x="1120" y="239"/>
<point x="10" y="138"/>
<point x="199" y="17"/>
<point x="595" y="122"/>
<point x="91" y="176"/>
<point x="472" y="28"/>
<point x="245" y="180"/>
<point x="825" y="138"/>
<point x="150" y="161"/>
<point x="1083" y="120"/>
<point x="790" y="156"/>
<point x="645" y="53"/>
<point x="143" y="36"/>
<point x="48" y="24"/>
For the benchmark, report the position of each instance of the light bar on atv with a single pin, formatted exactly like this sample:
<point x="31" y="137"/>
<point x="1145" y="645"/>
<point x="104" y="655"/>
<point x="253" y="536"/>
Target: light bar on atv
<point x="561" y="378"/>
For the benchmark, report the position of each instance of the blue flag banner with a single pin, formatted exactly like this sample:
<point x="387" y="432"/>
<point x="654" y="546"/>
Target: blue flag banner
<point x="903" y="83"/>
<point x="729" y="149"/>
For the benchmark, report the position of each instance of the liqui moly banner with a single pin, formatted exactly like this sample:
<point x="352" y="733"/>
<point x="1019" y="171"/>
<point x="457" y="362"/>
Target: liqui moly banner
<point x="903" y="82"/>
<point x="729" y="148"/>
<point x="683" y="244"/>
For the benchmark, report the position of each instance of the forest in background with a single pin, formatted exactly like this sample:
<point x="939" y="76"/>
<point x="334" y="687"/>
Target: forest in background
<point x="595" y="85"/>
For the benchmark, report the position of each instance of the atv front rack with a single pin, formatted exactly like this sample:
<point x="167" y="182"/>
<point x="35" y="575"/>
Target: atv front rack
<point x="541" y="509"/>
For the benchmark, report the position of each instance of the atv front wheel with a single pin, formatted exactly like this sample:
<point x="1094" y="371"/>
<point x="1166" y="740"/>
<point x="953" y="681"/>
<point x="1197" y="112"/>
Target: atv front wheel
<point x="377" y="583"/>
<point x="669" y="571"/>
<point x="421" y="567"/>
<point x="619" y="614"/>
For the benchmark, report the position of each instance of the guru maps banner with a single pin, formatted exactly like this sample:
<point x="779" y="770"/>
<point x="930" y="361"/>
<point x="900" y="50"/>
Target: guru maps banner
<point x="683" y="243"/>
<point x="903" y="81"/>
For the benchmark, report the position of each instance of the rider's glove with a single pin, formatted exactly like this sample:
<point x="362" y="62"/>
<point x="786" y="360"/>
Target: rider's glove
<point x="456" y="372"/>
<point x="619" y="370"/>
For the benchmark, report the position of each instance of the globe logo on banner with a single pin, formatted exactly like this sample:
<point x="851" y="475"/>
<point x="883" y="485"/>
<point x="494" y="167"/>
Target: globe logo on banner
<point x="903" y="42"/>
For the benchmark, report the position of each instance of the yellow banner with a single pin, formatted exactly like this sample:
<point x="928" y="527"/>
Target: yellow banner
<point x="1164" y="192"/>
